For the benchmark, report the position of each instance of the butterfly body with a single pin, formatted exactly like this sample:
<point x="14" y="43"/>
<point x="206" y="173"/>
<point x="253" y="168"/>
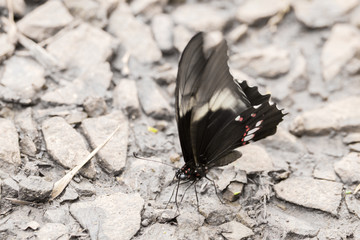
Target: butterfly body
<point x="215" y="113"/>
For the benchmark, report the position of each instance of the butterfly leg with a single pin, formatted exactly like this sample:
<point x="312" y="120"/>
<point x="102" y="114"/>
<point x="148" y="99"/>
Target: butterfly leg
<point x="186" y="190"/>
<point x="216" y="191"/>
<point x="197" y="199"/>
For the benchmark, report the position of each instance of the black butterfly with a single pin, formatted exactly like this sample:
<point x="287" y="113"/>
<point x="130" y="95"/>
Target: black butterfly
<point x="216" y="114"/>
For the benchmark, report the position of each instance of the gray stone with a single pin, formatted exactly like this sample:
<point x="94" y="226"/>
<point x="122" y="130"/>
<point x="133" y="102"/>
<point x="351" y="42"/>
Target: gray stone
<point x="159" y="231"/>
<point x="78" y="48"/>
<point x="134" y="35"/>
<point x="115" y="216"/>
<point x="53" y="231"/>
<point x="355" y="147"/>
<point x="27" y="146"/>
<point x="318" y="194"/>
<point x="284" y="141"/>
<point x="162" y="26"/>
<point x="24" y="76"/>
<point x="45" y="20"/>
<point x="33" y="225"/>
<point x="324" y="170"/>
<point x="75" y="117"/>
<point x="181" y="37"/>
<point x="233" y="191"/>
<point x="125" y="97"/>
<point x="228" y="174"/>
<point x="93" y="11"/>
<point x="57" y="215"/>
<point x="34" y="188"/>
<point x="6" y="47"/>
<point x="269" y="62"/>
<point x="66" y="146"/>
<point x="235" y="231"/>
<point x="290" y="224"/>
<point x="9" y="146"/>
<point x="9" y="188"/>
<point x="112" y="157"/>
<point x="237" y="33"/>
<point x="250" y="12"/>
<point x="190" y="220"/>
<point x="334" y="116"/>
<point x="147" y="8"/>
<point x="93" y="83"/>
<point x="24" y="120"/>
<point x="348" y="168"/>
<point x="95" y="106"/>
<point x="298" y="77"/>
<point x="69" y="194"/>
<point x="152" y="100"/>
<point x="352" y="138"/>
<point x="332" y="11"/>
<point x="200" y="17"/>
<point x="342" y="45"/>
<point x="353" y="204"/>
<point x="84" y="188"/>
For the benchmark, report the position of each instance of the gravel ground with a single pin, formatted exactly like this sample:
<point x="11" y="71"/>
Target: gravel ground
<point x="72" y="71"/>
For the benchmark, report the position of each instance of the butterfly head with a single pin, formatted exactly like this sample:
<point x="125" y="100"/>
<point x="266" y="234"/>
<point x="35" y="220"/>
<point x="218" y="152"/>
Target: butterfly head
<point x="191" y="173"/>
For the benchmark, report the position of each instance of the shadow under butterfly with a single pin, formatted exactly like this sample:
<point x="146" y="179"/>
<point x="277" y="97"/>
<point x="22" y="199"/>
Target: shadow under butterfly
<point x="216" y="114"/>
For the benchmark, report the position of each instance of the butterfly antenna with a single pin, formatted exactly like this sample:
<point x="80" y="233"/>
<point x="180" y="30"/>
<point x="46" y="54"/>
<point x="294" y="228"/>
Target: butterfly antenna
<point x="216" y="191"/>
<point x="151" y="160"/>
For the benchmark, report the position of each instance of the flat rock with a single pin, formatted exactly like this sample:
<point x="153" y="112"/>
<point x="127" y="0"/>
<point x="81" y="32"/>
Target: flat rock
<point x="233" y="191"/>
<point x="318" y="194"/>
<point x="125" y="97"/>
<point x="34" y="188"/>
<point x="200" y="17"/>
<point x="6" y="47"/>
<point x="152" y="100"/>
<point x="355" y="147"/>
<point x="290" y="224"/>
<point x="95" y="106"/>
<point x="94" y="12"/>
<point x="84" y="188"/>
<point x="249" y="12"/>
<point x="66" y="146"/>
<point x="133" y="34"/>
<point x="269" y="62"/>
<point x="348" y="168"/>
<point x="254" y="159"/>
<point x="228" y="174"/>
<point x="78" y="48"/>
<point x="332" y="11"/>
<point x="57" y="215"/>
<point x="53" y="231"/>
<point x="298" y="76"/>
<point x="45" y="20"/>
<point x="112" y="157"/>
<point x="284" y="141"/>
<point x="9" y="147"/>
<point x="334" y="116"/>
<point x="9" y="188"/>
<point x="181" y="37"/>
<point x="162" y="27"/>
<point x="24" y="76"/>
<point x="159" y="231"/>
<point x="235" y="231"/>
<point x="115" y="216"/>
<point x="339" y="49"/>
<point x="147" y="8"/>
<point x="353" y="204"/>
<point x="324" y="170"/>
<point x="352" y="138"/>
<point x="92" y="83"/>
<point x="25" y="121"/>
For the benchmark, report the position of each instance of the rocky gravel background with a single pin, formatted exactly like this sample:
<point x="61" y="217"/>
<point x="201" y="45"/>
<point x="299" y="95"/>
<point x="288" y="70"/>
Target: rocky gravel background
<point x="72" y="71"/>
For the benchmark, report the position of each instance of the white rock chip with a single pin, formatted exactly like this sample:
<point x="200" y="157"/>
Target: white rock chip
<point x="238" y="32"/>
<point x="353" y="204"/>
<point x="352" y="138"/>
<point x="338" y="116"/>
<point x="253" y="10"/>
<point x="348" y="168"/>
<point x="79" y="48"/>
<point x="45" y="20"/>
<point x="235" y="231"/>
<point x="159" y="232"/>
<point x="133" y="34"/>
<point x="125" y="96"/>
<point x="24" y="76"/>
<point x="339" y="49"/>
<point x="318" y="194"/>
<point x="66" y="145"/>
<point x="112" y="156"/>
<point x="268" y="62"/>
<point x="91" y="83"/>
<point x="162" y="27"/>
<point x="9" y="146"/>
<point x="19" y="6"/>
<point x="152" y="100"/>
<point x="331" y="11"/>
<point x="200" y="17"/>
<point x="115" y="216"/>
<point x="181" y="37"/>
<point x="53" y="231"/>
<point x="6" y="47"/>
